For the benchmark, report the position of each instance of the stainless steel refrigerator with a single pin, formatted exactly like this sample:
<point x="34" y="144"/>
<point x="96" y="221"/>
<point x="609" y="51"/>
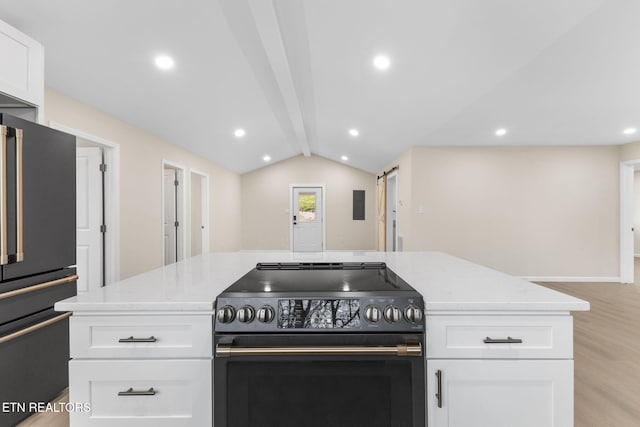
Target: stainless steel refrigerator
<point x="37" y="259"/>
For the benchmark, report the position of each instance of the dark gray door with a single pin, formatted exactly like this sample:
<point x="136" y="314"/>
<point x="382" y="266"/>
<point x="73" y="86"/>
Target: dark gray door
<point x="49" y="199"/>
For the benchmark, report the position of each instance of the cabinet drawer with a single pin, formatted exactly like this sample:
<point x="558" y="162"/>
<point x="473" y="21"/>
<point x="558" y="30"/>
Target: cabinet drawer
<point x="175" y="393"/>
<point x="499" y="337"/>
<point x="141" y="336"/>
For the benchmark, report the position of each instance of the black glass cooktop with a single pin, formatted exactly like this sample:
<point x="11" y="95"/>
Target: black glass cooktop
<point x="320" y="278"/>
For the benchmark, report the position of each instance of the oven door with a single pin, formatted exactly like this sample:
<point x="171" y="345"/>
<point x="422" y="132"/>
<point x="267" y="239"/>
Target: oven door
<point x="319" y="380"/>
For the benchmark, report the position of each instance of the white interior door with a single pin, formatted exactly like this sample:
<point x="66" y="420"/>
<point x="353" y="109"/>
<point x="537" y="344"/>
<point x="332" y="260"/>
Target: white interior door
<point x="88" y="218"/>
<point x="170" y="208"/>
<point x="307" y="219"/>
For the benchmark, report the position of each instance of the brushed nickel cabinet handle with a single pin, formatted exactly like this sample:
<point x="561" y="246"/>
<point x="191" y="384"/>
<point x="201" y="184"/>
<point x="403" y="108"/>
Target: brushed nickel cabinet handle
<point x="19" y="198"/>
<point x="507" y="340"/>
<point x="4" y="256"/>
<point x="132" y="392"/>
<point x="34" y="328"/>
<point x="34" y="288"/>
<point x="132" y="339"/>
<point x="439" y="391"/>
<point x="397" y="350"/>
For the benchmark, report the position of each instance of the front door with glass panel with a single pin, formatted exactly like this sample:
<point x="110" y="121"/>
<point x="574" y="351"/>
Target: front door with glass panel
<point x="307" y="221"/>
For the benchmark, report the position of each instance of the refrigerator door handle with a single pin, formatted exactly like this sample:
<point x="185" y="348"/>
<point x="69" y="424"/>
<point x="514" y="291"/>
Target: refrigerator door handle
<point x="34" y="328"/>
<point x="19" y="198"/>
<point x="4" y="256"/>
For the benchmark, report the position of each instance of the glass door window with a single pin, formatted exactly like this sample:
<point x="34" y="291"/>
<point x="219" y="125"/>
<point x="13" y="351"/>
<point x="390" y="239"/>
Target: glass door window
<point x="307" y="207"/>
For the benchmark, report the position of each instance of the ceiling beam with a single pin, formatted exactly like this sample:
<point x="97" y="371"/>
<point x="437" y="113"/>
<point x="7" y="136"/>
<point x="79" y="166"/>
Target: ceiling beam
<point x="268" y="25"/>
<point x="292" y="20"/>
<point x="255" y="26"/>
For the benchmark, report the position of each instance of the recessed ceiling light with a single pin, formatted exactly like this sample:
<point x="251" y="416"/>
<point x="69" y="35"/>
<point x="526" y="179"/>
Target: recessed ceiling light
<point x="344" y="158"/>
<point x="354" y="132"/>
<point x="629" y="131"/>
<point x="382" y="62"/>
<point x="164" y="62"/>
<point x="239" y="133"/>
<point x="267" y="158"/>
<point x="501" y="132"/>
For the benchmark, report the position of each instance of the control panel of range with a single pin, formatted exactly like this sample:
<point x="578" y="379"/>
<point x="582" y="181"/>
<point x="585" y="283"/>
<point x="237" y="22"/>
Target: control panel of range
<point x="319" y="314"/>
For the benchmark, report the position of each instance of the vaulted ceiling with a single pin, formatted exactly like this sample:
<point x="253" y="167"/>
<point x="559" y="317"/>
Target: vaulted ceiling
<point x="298" y="74"/>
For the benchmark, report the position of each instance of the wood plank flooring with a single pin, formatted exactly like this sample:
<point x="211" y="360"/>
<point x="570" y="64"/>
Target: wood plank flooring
<point x="49" y="419"/>
<point x="606" y="354"/>
<point x="607" y="357"/>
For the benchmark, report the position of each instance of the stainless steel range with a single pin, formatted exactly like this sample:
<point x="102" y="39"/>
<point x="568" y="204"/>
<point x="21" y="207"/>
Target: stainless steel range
<point x="319" y="344"/>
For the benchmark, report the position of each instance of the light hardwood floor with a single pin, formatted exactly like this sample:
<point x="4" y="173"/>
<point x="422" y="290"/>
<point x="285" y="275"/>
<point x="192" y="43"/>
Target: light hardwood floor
<point x="49" y="419"/>
<point x="607" y="357"/>
<point x="606" y="353"/>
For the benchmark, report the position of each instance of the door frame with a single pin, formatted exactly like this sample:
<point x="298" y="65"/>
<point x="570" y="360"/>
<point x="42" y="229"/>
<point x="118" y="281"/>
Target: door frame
<point x="111" y="153"/>
<point x="324" y="212"/>
<point x="627" y="170"/>
<point x="206" y="234"/>
<point x="181" y="237"/>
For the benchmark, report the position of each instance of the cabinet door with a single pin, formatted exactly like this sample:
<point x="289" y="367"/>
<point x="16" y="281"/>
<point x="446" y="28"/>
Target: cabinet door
<point x="21" y="66"/>
<point x="500" y="393"/>
<point x="48" y="199"/>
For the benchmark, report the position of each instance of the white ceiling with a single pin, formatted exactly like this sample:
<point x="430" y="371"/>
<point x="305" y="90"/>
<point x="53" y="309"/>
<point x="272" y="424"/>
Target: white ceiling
<point x="297" y="74"/>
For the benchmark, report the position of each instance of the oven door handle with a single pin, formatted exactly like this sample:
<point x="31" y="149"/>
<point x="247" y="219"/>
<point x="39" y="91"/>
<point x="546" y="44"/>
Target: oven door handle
<point x="414" y="349"/>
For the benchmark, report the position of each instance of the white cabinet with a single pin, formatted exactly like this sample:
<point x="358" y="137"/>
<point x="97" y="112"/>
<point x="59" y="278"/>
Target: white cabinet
<point x="140" y="336"/>
<point x="482" y="337"/>
<point x="141" y="370"/>
<point x="500" y="393"/>
<point x="128" y="393"/>
<point x="21" y="68"/>
<point x="498" y="370"/>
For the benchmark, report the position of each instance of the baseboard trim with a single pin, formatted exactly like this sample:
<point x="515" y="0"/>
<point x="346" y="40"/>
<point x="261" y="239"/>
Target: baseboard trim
<point x="571" y="279"/>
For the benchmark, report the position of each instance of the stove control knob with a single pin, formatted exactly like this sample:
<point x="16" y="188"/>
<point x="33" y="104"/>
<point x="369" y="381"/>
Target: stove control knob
<point x="246" y="314"/>
<point x="392" y="314"/>
<point x="413" y="314"/>
<point x="266" y="314"/>
<point x="226" y="314"/>
<point x="372" y="313"/>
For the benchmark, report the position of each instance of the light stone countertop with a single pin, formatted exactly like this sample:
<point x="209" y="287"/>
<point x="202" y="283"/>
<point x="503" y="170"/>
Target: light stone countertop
<point x="447" y="284"/>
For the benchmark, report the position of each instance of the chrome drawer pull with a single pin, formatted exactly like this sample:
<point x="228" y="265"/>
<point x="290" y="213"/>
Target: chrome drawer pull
<point x="132" y="339"/>
<point x="439" y="391"/>
<point x="132" y="392"/>
<point x="508" y="340"/>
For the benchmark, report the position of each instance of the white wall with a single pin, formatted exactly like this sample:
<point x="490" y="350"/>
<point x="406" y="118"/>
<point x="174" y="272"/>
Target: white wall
<point x="266" y="216"/>
<point x="528" y="211"/>
<point x="141" y="185"/>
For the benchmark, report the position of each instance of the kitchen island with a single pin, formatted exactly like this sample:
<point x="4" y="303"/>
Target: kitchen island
<point x="490" y="338"/>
